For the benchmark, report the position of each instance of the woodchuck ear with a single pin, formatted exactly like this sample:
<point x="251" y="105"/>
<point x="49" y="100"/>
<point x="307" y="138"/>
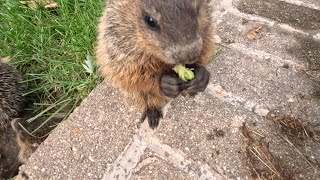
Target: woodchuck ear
<point x="20" y="133"/>
<point x="15" y="124"/>
<point x="18" y="128"/>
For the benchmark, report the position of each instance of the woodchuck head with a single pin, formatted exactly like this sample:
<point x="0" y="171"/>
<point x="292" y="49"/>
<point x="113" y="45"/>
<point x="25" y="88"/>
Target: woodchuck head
<point x="169" y="30"/>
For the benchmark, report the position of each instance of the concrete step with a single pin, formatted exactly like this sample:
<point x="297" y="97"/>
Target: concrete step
<point x="312" y="4"/>
<point x="283" y="45"/>
<point x="269" y="68"/>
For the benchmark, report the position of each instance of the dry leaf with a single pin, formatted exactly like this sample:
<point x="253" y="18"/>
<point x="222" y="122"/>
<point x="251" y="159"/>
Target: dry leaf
<point x="5" y="60"/>
<point x="47" y="4"/>
<point x="51" y="6"/>
<point x="253" y="32"/>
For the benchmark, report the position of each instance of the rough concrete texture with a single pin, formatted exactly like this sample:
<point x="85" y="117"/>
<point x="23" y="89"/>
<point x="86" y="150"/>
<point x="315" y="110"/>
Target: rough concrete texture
<point x="283" y="12"/>
<point x="262" y="83"/>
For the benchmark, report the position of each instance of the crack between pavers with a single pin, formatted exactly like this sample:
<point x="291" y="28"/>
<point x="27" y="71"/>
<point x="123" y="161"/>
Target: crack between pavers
<point x="235" y="11"/>
<point x="237" y="101"/>
<point x="125" y="163"/>
<point x="228" y="7"/>
<point x="262" y="55"/>
<point x="301" y="3"/>
<point x="294" y="2"/>
<point x="262" y="20"/>
<point x="177" y="159"/>
<point x="129" y="159"/>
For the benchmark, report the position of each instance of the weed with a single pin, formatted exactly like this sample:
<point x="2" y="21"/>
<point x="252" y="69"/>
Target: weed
<point x="49" y="47"/>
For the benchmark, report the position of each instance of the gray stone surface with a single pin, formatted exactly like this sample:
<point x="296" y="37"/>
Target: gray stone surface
<point x="275" y="75"/>
<point x="93" y="136"/>
<point x="283" y="12"/>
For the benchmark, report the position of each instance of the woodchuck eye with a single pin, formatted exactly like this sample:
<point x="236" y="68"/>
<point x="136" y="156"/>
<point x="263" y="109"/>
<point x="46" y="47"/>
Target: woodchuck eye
<point x="150" y="22"/>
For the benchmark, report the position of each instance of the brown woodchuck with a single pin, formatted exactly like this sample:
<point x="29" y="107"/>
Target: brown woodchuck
<point x="140" y="41"/>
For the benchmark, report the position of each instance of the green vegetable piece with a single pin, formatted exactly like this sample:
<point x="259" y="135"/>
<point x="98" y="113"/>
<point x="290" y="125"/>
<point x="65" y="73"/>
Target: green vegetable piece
<point x="184" y="73"/>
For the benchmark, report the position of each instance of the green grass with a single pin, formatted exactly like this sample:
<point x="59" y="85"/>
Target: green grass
<point x="49" y="47"/>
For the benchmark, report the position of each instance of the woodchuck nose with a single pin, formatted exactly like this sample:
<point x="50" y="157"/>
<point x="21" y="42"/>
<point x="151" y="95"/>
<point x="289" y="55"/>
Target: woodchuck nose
<point x="140" y="41"/>
<point x="11" y="99"/>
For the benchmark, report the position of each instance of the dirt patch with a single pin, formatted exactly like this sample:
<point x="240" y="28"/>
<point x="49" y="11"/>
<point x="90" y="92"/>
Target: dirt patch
<point x="265" y="162"/>
<point x="260" y="160"/>
<point x="291" y="127"/>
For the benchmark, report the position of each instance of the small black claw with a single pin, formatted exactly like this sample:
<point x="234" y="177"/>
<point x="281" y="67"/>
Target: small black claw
<point x="153" y="115"/>
<point x="143" y="117"/>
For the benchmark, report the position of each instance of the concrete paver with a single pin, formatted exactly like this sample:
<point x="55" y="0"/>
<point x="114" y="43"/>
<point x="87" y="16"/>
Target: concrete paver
<point x="94" y="137"/>
<point x="208" y="133"/>
<point x="296" y="16"/>
<point x="252" y="82"/>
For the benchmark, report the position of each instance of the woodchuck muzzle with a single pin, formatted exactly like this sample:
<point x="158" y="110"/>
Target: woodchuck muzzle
<point x="140" y="41"/>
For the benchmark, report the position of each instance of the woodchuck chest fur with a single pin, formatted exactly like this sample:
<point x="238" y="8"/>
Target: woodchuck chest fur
<point x="140" y="41"/>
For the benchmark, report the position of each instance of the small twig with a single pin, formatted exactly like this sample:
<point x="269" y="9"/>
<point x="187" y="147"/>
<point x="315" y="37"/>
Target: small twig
<point x="258" y="134"/>
<point x="290" y="143"/>
<point x="275" y="172"/>
<point x="254" y="169"/>
<point x="269" y="161"/>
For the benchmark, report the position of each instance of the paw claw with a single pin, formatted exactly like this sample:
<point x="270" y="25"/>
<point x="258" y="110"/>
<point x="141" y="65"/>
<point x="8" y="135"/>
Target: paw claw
<point x="200" y="82"/>
<point x="153" y="115"/>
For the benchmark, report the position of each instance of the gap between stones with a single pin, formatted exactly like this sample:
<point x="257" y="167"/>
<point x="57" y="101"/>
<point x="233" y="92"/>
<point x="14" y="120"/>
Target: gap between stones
<point x="129" y="159"/>
<point x="266" y="21"/>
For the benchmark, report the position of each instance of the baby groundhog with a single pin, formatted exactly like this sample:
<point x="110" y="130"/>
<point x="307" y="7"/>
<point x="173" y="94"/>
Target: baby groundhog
<point x="11" y="103"/>
<point x="11" y="99"/>
<point x="140" y="41"/>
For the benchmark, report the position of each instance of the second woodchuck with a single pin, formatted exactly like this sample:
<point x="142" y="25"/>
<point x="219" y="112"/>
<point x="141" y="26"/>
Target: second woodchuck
<point x="140" y="41"/>
<point x="11" y="99"/>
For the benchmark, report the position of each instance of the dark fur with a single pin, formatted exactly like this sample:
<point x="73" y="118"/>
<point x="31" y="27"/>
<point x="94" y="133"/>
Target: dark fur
<point x="11" y="99"/>
<point x="27" y="143"/>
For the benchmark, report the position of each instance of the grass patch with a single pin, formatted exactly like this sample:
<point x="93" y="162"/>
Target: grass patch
<point x="49" y="47"/>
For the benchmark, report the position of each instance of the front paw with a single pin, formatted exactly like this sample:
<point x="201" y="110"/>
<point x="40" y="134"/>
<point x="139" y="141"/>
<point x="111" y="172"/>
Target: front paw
<point x="171" y="85"/>
<point x="200" y="82"/>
